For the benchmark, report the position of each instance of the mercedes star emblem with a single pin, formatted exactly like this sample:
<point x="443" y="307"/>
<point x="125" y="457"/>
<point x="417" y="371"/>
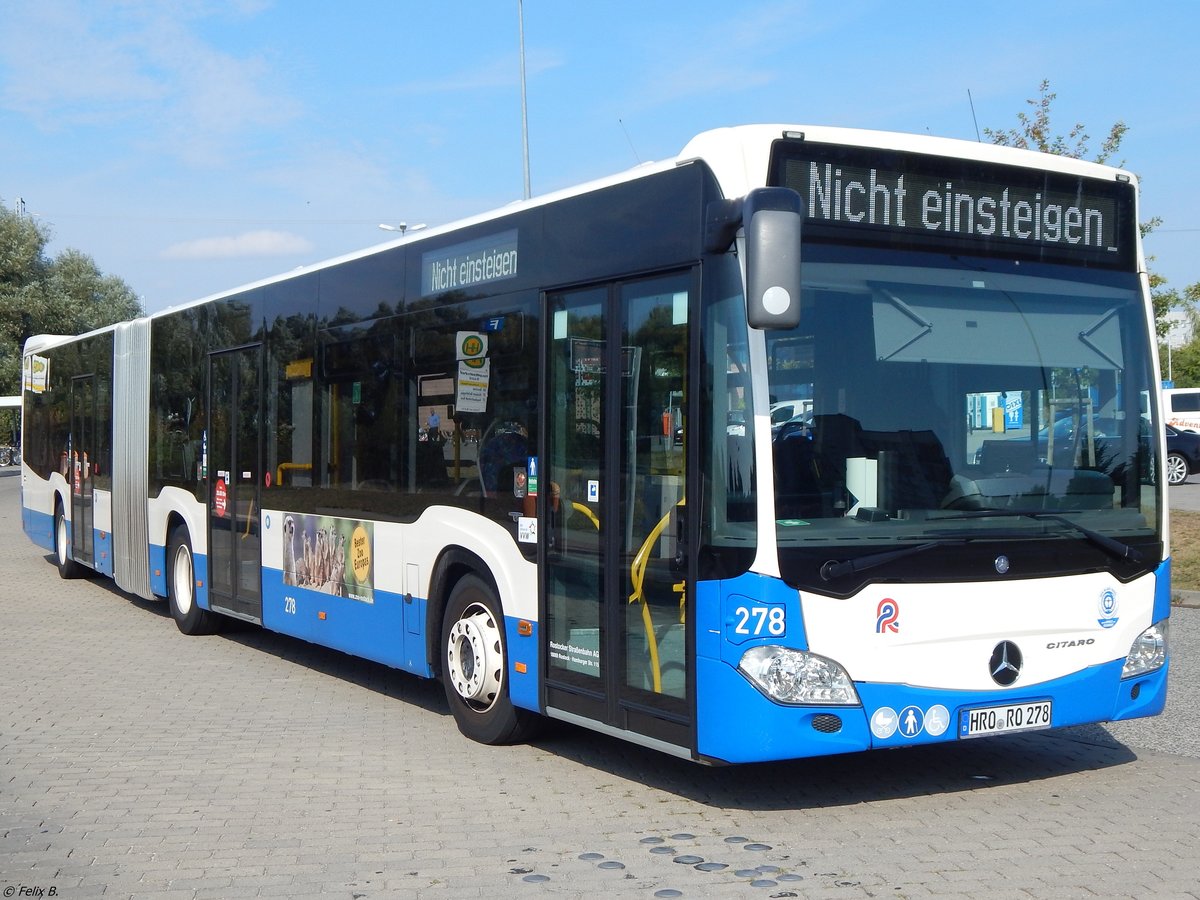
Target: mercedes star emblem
<point x="1005" y="664"/>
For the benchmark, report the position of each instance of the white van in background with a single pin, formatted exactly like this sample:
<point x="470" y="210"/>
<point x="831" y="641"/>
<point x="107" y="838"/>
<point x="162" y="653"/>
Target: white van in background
<point x="1181" y="408"/>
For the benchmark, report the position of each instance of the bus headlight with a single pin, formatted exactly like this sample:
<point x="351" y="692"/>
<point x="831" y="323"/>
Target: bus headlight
<point x="1149" y="651"/>
<point x="796" y="676"/>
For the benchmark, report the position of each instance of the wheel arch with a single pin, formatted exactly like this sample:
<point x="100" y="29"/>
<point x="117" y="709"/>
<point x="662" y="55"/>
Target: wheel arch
<point x="61" y="502"/>
<point x="175" y="520"/>
<point x="173" y="508"/>
<point x="452" y="565"/>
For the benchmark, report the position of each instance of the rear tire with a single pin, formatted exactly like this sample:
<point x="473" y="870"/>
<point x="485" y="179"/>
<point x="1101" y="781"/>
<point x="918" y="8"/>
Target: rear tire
<point x="67" y="567"/>
<point x="475" y="667"/>
<point x="181" y="588"/>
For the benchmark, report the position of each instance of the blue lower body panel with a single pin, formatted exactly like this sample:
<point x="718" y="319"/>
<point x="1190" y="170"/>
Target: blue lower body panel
<point x="389" y="630"/>
<point x="522" y="664"/>
<point x="102" y="541"/>
<point x="739" y="724"/>
<point x="39" y="527"/>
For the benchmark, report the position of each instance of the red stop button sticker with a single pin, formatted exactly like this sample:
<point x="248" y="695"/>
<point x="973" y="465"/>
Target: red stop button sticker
<point x="220" y="498"/>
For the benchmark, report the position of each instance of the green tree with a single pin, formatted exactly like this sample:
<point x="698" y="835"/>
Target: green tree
<point x="1034" y="132"/>
<point x="67" y="294"/>
<point x="1182" y="364"/>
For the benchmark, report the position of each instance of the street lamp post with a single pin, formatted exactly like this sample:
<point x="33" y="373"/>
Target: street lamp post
<point x="524" y="113"/>
<point x="402" y="227"/>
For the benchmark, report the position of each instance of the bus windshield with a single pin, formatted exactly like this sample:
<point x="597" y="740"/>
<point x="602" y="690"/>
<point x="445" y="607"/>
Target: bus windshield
<point x="924" y="392"/>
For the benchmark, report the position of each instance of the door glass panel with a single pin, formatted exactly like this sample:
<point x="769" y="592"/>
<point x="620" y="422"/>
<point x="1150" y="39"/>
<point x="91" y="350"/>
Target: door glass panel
<point x="235" y="470"/>
<point x="574" y="530"/>
<point x="653" y="435"/>
<point x="246" y="474"/>
<point x="614" y="479"/>
<point x="220" y="466"/>
<point x="85" y="457"/>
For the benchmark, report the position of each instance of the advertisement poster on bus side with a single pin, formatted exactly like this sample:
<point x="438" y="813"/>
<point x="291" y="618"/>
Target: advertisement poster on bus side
<point x="333" y="556"/>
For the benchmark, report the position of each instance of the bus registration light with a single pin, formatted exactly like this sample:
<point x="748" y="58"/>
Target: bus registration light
<point x="799" y="677"/>
<point x="1149" y="651"/>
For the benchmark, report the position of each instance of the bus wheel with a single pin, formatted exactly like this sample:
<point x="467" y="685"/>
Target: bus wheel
<point x="181" y="588"/>
<point x="474" y="664"/>
<point x="67" y="567"/>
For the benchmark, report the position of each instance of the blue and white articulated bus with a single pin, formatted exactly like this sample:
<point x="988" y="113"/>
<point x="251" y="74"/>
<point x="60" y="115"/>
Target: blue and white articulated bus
<point x="531" y="453"/>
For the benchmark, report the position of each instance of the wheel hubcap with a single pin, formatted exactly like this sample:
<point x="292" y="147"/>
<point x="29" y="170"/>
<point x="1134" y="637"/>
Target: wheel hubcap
<point x="62" y="541"/>
<point x="183" y="579"/>
<point x="474" y="659"/>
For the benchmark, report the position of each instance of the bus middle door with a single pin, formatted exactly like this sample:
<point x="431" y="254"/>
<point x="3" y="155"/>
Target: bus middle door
<point x="234" y="484"/>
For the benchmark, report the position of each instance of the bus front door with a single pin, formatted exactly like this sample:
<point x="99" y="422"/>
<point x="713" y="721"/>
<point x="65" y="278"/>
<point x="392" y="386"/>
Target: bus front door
<point x="615" y="640"/>
<point x="235" y="475"/>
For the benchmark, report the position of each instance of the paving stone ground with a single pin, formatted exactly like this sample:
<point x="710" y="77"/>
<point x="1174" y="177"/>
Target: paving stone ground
<point x="136" y="762"/>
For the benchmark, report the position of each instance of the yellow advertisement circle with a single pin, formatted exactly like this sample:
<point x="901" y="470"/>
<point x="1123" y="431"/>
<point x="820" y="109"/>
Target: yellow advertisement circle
<point x="360" y="554"/>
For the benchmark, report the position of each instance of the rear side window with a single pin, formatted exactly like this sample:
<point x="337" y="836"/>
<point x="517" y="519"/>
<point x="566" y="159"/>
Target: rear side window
<point x="1189" y="402"/>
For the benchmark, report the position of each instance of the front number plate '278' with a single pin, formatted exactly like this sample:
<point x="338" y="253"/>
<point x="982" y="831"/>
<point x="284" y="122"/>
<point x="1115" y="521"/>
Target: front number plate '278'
<point x="985" y="720"/>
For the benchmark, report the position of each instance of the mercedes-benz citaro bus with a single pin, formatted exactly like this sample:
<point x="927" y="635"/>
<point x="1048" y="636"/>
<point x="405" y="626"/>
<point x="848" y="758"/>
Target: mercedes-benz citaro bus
<point x="530" y="453"/>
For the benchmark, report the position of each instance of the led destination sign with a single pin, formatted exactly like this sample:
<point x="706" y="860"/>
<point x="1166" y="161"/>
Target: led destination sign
<point x="921" y="200"/>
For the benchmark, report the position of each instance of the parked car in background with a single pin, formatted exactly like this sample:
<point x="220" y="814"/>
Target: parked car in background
<point x="1183" y="454"/>
<point x="795" y="414"/>
<point x="1181" y="408"/>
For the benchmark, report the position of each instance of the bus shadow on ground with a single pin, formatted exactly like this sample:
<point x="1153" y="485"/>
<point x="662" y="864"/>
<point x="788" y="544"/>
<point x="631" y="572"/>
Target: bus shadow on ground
<point x="393" y="683"/>
<point x="848" y="779"/>
<point x="954" y="768"/>
<point x="830" y="781"/>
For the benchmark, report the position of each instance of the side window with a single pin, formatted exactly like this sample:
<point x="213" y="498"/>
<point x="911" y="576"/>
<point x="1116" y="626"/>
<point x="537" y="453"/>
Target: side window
<point x="726" y="432"/>
<point x="360" y="436"/>
<point x="177" y="418"/>
<point x="435" y="406"/>
<point x="471" y="411"/>
<point x="1189" y="402"/>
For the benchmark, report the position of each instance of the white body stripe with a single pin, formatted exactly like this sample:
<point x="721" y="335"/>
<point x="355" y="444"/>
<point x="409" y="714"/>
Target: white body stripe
<point x="945" y="633"/>
<point x="399" y="548"/>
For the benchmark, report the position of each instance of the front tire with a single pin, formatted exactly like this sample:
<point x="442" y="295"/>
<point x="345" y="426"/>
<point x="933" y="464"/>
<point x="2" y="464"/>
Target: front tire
<point x="181" y="588"/>
<point x="1177" y="469"/>
<point x="475" y="665"/>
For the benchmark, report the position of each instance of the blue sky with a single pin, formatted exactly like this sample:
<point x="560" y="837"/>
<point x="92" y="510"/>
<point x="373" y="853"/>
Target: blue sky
<point x="195" y="145"/>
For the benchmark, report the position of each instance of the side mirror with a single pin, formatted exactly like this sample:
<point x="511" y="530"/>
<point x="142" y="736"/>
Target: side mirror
<point x="772" y="217"/>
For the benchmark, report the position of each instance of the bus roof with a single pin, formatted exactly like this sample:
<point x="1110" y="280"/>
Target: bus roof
<point x="738" y="157"/>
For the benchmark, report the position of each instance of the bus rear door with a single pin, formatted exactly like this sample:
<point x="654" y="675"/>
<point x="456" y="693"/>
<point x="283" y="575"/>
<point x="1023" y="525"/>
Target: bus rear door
<point x="234" y="484"/>
<point x="81" y="466"/>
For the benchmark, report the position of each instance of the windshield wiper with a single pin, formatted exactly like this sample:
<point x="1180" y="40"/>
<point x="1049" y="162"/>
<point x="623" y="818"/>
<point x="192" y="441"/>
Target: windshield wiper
<point x="834" y="569"/>
<point x="1111" y="546"/>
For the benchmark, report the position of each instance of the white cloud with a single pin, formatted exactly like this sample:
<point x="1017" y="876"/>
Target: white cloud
<point x="495" y="73"/>
<point x="248" y="244"/>
<point x="145" y="72"/>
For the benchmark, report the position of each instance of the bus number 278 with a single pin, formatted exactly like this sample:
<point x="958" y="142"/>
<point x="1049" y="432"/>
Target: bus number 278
<point x="760" y="620"/>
